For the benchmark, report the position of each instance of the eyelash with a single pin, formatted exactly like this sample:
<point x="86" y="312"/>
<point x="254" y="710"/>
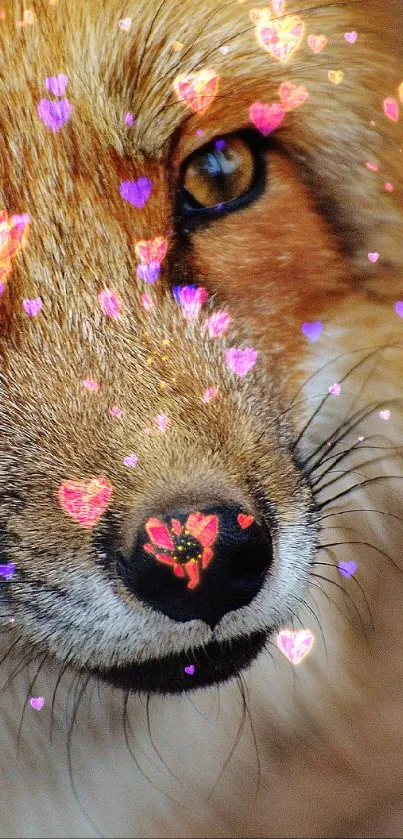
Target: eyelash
<point x="191" y="218"/>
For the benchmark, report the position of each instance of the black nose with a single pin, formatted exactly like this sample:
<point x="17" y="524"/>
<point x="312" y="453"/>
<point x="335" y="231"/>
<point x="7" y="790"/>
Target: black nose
<point x="198" y="564"/>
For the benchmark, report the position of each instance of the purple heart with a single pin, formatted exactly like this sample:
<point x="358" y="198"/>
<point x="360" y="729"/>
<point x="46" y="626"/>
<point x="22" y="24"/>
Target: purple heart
<point x="190" y="669"/>
<point x="312" y="329"/>
<point x="2" y="287"/>
<point x="399" y="308"/>
<point x="57" y="84"/>
<point x="7" y="570"/>
<point x="148" y="272"/>
<point x="54" y="114"/>
<point x="347" y="568"/>
<point x="241" y="361"/>
<point x="37" y="702"/>
<point x="32" y="307"/>
<point x="136" y="192"/>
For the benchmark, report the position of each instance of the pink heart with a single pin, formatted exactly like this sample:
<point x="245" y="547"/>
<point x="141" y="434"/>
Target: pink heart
<point x="32" y="307"/>
<point x="399" y="308"/>
<point x="147" y="302"/>
<point x="295" y="645"/>
<point x="85" y="501"/>
<point x="125" y="24"/>
<point x="373" y="257"/>
<point x="266" y="118"/>
<point x="317" y="42"/>
<point x="55" y="114"/>
<point x="335" y="389"/>
<point x="57" y="84"/>
<point x="109" y="303"/>
<point x="241" y="361"/>
<point x="312" y="329"/>
<point x="90" y="384"/>
<point x="162" y="422"/>
<point x="385" y="415"/>
<point x="130" y="460"/>
<point x="209" y="393"/>
<point x="37" y="702"/>
<point x="391" y="109"/>
<point x="218" y="323"/>
<point x="351" y="37"/>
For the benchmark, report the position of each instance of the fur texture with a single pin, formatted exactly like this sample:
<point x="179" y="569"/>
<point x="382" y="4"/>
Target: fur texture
<point x="321" y="753"/>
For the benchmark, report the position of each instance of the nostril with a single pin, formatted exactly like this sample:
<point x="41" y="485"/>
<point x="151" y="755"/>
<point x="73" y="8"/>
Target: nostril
<point x="198" y="564"/>
<point x="247" y="562"/>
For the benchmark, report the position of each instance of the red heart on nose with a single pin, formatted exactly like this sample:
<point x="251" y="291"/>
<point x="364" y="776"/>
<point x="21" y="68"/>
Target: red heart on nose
<point x="85" y="501"/>
<point x="245" y="521"/>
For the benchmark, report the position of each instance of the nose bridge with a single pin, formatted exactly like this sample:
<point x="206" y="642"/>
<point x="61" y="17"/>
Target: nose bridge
<point x="193" y="492"/>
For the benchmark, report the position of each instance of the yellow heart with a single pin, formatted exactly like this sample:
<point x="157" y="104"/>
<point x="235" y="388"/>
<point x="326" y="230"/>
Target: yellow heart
<point x="335" y="76"/>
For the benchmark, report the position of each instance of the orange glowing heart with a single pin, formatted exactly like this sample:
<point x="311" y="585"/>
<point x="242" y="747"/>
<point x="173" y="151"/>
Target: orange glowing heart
<point x="292" y="95"/>
<point x="151" y="250"/>
<point x="197" y="89"/>
<point x="281" y="37"/>
<point x="317" y="43"/>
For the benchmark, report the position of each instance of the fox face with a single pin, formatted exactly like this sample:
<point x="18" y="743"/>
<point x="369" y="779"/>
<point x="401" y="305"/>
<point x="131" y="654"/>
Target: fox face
<point x="187" y="202"/>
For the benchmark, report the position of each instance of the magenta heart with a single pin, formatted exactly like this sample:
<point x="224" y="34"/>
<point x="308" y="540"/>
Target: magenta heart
<point x="57" y="84"/>
<point x="312" y="329"/>
<point x="37" y="702"/>
<point x="399" y="308"/>
<point x="32" y="307"/>
<point x="190" y="669"/>
<point x="149" y="272"/>
<point x="109" y="303"/>
<point x="266" y="118"/>
<point x="241" y="361"/>
<point x="347" y="568"/>
<point x="55" y="114"/>
<point x="7" y="570"/>
<point x="136" y="192"/>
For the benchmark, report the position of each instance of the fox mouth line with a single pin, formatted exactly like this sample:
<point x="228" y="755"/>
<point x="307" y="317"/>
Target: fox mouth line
<point x="179" y="673"/>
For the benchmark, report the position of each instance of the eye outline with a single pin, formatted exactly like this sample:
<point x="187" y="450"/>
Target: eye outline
<point x="190" y="218"/>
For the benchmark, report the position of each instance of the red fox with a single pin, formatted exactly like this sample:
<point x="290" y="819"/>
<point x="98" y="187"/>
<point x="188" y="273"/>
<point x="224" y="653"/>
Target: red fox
<point x="201" y="312"/>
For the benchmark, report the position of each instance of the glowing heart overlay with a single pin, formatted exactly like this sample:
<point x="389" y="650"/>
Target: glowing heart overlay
<point x="197" y="89"/>
<point x="295" y="645"/>
<point x="85" y="501"/>
<point x="280" y="37"/>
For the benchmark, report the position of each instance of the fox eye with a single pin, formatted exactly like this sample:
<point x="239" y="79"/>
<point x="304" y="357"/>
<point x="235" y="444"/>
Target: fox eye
<point x="222" y="176"/>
